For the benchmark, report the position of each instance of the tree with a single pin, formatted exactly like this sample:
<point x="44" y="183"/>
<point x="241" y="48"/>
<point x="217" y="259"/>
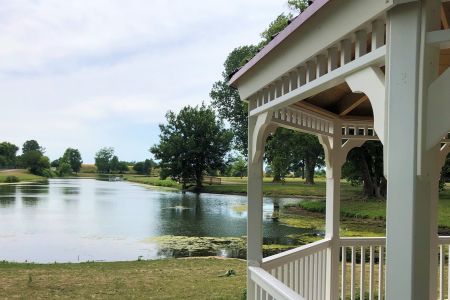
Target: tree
<point x="35" y="162"/>
<point x="192" y="142"/>
<point x="239" y="167"/>
<point x="288" y="150"/>
<point x="122" y="167"/>
<point x="226" y="100"/>
<point x="32" y="145"/>
<point x="114" y="164"/>
<point x="8" y="153"/>
<point x="364" y="165"/>
<point x="298" y="5"/>
<point x="103" y="159"/>
<point x="144" y="167"/>
<point x="274" y="28"/>
<point x="64" y="168"/>
<point x="73" y="158"/>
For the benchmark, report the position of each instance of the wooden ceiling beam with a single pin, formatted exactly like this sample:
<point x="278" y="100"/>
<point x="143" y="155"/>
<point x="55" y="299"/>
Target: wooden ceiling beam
<point x="349" y="103"/>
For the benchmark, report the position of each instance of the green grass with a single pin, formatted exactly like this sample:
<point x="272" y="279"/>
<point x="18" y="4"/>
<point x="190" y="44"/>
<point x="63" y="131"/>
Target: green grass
<point x="22" y="174"/>
<point x="292" y="187"/>
<point x="376" y="209"/>
<point x="155" y="181"/>
<point x="196" y="278"/>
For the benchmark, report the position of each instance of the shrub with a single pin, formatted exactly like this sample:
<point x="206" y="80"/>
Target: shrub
<point x="11" y="179"/>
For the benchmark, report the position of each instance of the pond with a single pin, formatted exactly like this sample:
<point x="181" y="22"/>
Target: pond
<point x="74" y="220"/>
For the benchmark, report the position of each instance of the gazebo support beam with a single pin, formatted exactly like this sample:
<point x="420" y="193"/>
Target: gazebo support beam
<point x="411" y="171"/>
<point x="335" y="155"/>
<point x="258" y="128"/>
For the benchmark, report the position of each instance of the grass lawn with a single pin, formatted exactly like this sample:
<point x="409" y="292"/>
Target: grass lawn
<point x="155" y="181"/>
<point x="196" y="278"/>
<point x="22" y="174"/>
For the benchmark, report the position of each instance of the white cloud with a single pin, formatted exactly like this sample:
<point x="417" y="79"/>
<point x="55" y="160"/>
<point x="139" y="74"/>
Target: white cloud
<point x="73" y="70"/>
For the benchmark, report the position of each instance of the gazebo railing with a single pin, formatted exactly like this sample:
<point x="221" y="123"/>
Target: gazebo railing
<point x="300" y="273"/>
<point x="302" y="269"/>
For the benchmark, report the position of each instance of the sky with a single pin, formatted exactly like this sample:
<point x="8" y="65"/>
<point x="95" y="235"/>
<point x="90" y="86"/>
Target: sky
<point x="89" y="74"/>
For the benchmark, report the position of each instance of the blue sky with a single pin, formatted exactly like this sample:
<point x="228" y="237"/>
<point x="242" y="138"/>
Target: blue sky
<point x="95" y="73"/>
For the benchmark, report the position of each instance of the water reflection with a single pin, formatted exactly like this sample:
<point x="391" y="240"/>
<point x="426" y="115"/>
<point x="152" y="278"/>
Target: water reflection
<point x="102" y="220"/>
<point x="30" y="201"/>
<point x="6" y="201"/>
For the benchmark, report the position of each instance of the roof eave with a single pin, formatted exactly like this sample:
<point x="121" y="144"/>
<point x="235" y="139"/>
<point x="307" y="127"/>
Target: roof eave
<point x="296" y="23"/>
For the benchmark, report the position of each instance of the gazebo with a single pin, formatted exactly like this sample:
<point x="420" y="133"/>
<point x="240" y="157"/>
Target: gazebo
<point x="350" y="71"/>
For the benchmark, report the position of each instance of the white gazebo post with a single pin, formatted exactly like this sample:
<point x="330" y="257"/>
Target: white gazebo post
<point x="335" y="156"/>
<point x="411" y="259"/>
<point x="257" y="134"/>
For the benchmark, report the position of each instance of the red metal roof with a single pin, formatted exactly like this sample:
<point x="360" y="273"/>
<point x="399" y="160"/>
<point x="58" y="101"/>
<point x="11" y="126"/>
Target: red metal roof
<point x="296" y="23"/>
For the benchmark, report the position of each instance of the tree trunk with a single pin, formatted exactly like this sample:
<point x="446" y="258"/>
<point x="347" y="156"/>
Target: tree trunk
<point x="310" y="164"/>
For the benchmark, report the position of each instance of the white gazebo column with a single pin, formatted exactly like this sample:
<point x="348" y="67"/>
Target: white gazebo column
<point x="333" y="159"/>
<point x="411" y="211"/>
<point x="256" y="139"/>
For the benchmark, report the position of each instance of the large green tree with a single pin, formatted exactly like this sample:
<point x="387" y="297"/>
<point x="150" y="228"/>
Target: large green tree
<point x="8" y="153"/>
<point x="144" y="167"/>
<point x="103" y="159"/>
<point x="73" y="158"/>
<point x="226" y="100"/>
<point x="32" y="145"/>
<point x="288" y="151"/>
<point x="34" y="160"/>
<point x="192" y="142"/>
<point x="364" y="166"/>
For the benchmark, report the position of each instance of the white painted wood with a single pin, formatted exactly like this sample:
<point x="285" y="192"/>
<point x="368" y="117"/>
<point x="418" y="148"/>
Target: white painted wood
<point x="381" y="291"/>
<point x="441" y="272"/>
<point x="360" y="43"/>
<point x="333" y="78"/>
<point x="362" y="284"/>
<point x="378" y="33"/>
<point x="325" y="29"/>
<point x="370" y="81"/>
<point x="257" y="132"/>
<point x="411" y="206"/>
<point x="311" y="71"/>
<point x="346" y="51"/>
<point x="344" y="273"/>
<point x="438" y="109"/>
<point x="271" y="285"/>
<point x="439" y="38"/>
<point x="333" y="59"/>
<point x="301" y="71"/>
<point x="352" y="274"/>
<point x="371" y="272"/>
<point x="322" y="65"/>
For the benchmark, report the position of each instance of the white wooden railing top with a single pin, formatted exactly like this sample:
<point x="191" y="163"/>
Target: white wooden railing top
<point x="293" y="254"/>
<point x="272" y="286"/>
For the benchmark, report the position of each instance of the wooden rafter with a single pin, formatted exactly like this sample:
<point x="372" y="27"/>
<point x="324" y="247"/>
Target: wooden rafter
<point x="349" y="103"/>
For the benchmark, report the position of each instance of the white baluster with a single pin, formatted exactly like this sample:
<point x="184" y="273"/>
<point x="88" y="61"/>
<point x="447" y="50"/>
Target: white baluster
<point x="441" y="272"/>
<point x="378" y="29"/>
<point x="333" y="59"/>
<point x="346" y="51"/>
<point x="301" y="76"/>
<point x="311" y="71"/>
<point x="360" y="43"/>
<point x="371" y="273"/>
<point x="381" y="273"/>
<point x="344" y="272"/>
<point x="322" y="67"/>
<point x="362" y="283"/>
<point x="352" y="275"/>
